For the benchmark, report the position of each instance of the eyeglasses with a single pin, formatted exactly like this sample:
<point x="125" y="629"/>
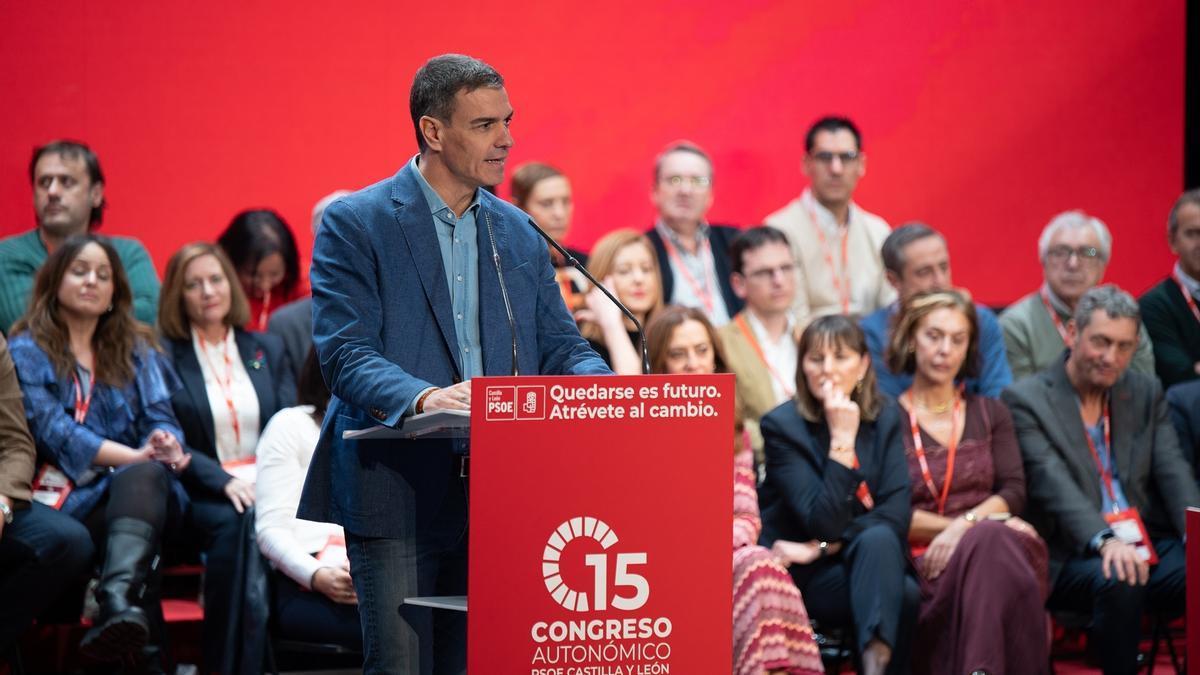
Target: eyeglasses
<point x="767" y="273"/>
<point x="827" y="158"/>
<point x="1061" y="254"/>
<point x="697" y="182"/>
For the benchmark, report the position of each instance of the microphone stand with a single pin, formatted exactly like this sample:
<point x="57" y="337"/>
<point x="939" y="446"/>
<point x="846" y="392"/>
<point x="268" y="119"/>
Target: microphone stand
<point x="583" y="270"/>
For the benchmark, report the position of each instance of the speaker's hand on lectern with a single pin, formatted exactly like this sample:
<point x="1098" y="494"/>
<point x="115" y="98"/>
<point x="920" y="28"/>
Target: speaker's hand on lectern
<point x="456" y="397"/>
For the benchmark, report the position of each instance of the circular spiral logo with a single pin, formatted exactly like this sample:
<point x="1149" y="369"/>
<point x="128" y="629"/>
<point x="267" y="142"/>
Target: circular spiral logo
<point x="580" y="526"/>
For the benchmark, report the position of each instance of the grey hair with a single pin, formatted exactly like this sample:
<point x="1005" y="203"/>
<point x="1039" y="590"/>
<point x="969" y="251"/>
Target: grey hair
<point x="1076" y="219"/>
<point x="1190" y="197"/>
<point x="439" y="80"/>
<point x="681" y="146"/>
<point x="1116" y="303"/>
<point x="318" y="211"/>
<point x="892" y="250"/>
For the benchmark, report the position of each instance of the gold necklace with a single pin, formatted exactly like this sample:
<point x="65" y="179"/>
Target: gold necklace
<point x="936" y="409"/>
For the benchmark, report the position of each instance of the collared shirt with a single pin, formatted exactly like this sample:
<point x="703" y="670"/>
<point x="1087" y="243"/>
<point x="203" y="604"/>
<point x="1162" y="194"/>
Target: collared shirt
<point x="1096" y="431"/>
<point x="825" y="218"/>
<point x="1057" y="303"/>
<point x="230" y="392"/>
<point x="782" y="354"/>
<point x="702" y="267"/>
<point x="460" y="259"/>
<point x="1193" y="285"/>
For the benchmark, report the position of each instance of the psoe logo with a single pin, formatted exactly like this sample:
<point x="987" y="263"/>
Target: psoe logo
<point x="515" y="403"/>
<point x="598" y="597"/>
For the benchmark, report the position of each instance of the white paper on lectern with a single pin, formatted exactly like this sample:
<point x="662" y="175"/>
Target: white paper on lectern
<point x="432" y="424"/>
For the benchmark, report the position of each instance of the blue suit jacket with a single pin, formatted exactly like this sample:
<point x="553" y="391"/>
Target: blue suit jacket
<point x="383" y="329"/>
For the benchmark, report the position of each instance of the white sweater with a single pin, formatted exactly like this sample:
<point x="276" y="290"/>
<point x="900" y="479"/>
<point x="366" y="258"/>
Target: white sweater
<point x="284" y="452"/>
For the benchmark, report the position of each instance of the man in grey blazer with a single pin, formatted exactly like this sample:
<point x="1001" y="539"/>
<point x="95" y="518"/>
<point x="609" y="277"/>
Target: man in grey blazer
<point x="1097" y="439"/>
<point x="408" y="306"/>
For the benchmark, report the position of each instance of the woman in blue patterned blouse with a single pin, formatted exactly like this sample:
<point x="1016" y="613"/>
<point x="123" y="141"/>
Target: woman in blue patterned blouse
<point x="98" y="403"/>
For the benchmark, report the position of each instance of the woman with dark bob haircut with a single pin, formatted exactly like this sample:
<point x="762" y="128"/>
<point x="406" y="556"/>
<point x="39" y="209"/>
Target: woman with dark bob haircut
<point x="982" y="569"/>
<point x="263" y="251"/>
<point x="835" y="472"/>
<point x="98" y="403"/>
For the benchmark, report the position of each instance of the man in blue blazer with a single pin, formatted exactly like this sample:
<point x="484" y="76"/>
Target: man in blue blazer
<point x="407" y="308"/>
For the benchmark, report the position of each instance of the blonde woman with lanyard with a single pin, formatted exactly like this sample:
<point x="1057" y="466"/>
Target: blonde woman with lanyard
<point x="233" y="382"/>
<point x="982" y="569"/>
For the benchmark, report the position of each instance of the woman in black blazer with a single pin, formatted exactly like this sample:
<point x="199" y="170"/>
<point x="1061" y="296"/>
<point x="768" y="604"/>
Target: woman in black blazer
<point x="836" y="473"/>
<point x="233" y="382"/>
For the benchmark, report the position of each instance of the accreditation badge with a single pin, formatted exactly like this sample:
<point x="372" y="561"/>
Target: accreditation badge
<point x="51" y="487"/>
<point x="1128" y="527"/>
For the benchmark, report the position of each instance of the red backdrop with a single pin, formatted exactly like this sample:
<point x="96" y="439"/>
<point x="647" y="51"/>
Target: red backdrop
<point x="984" y="119"/>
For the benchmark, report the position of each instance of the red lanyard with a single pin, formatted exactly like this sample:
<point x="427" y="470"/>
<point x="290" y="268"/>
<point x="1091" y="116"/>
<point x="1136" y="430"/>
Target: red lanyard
<point x="226" y="386"/>
<point x="919" y="450"/>
<point x="1062" y="330"/>
<point x="1187" y="296"/>
<point x="265" y="313"/>
<point x="82" y="403"/>
<point x="701" y="292"/>
<point x="1105" y="472"/>
<point x="841" y="284"/>
<point x="740" y="320"/>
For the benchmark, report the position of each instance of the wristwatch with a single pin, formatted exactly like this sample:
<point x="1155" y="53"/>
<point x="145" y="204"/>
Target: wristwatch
<point x="971" y="517"/>
<point x="8" y="513"/>
<point x="822" y="549"/>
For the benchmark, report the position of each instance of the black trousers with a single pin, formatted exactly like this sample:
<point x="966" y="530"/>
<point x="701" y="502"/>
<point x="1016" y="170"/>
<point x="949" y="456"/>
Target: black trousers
<point x="309" y="616"/>
<point x="41" y="552"/>
<point x="866" y="587"/>
<point x="1117" y="607"/>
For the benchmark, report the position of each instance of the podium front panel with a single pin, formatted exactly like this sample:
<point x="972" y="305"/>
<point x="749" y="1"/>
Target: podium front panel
<point x="601" y="519"/>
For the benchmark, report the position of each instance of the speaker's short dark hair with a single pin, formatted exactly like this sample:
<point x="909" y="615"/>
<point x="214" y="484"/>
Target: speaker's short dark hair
<point x="439" y="80"/>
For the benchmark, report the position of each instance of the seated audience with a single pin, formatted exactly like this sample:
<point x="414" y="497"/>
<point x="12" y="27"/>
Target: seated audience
<point x="835" y="242"/>
<point x="982" y="569"/>
<point x="293" y="322"/>
<point x="1184" y="400"/>
<point x="918" y="261"/>
<point x="771" y="632"/>
<point x="1104" y="469"/>
<point x="692" y="254"/>
<point x="1074" y="249"/>
<point x="97" y="401"/>
<point x="1171" y="310"/>
<point x="41" y="550"/>
<point x="264" y="253"/>
<point x="760" y="342"/>
<point x="307" y="556"/>
<point x="623" y="260"/>
<point x="68" y="200"/>
<point x="233" y="381"/>
<point x="836" y="473"/>
<point x="544" y="193"/>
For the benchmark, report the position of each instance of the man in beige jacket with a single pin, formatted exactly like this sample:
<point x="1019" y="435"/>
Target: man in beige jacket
<point x="835" y="243"/>
<point x="760" y="342"/>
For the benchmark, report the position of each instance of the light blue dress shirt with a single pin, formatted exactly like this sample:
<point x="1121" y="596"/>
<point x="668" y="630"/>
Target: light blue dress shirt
<point x="460" y="259"/>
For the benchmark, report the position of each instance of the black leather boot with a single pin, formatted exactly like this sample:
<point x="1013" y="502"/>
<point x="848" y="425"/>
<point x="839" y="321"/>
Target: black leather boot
<point x="122" y="627"/>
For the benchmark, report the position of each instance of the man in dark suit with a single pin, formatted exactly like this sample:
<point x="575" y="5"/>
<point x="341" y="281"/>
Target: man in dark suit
<point x="407" y="308"/>
<point x="1100" y="451"/>
<point x="693" y="255"/>
<point x="1171" y="310"/>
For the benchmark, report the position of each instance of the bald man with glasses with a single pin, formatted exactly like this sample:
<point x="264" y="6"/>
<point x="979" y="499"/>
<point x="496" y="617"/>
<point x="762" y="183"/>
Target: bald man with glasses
<point x="835" y="242"/>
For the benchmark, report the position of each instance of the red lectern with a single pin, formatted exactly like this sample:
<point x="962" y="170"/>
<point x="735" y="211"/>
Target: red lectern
<point x="601" y="511"/>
